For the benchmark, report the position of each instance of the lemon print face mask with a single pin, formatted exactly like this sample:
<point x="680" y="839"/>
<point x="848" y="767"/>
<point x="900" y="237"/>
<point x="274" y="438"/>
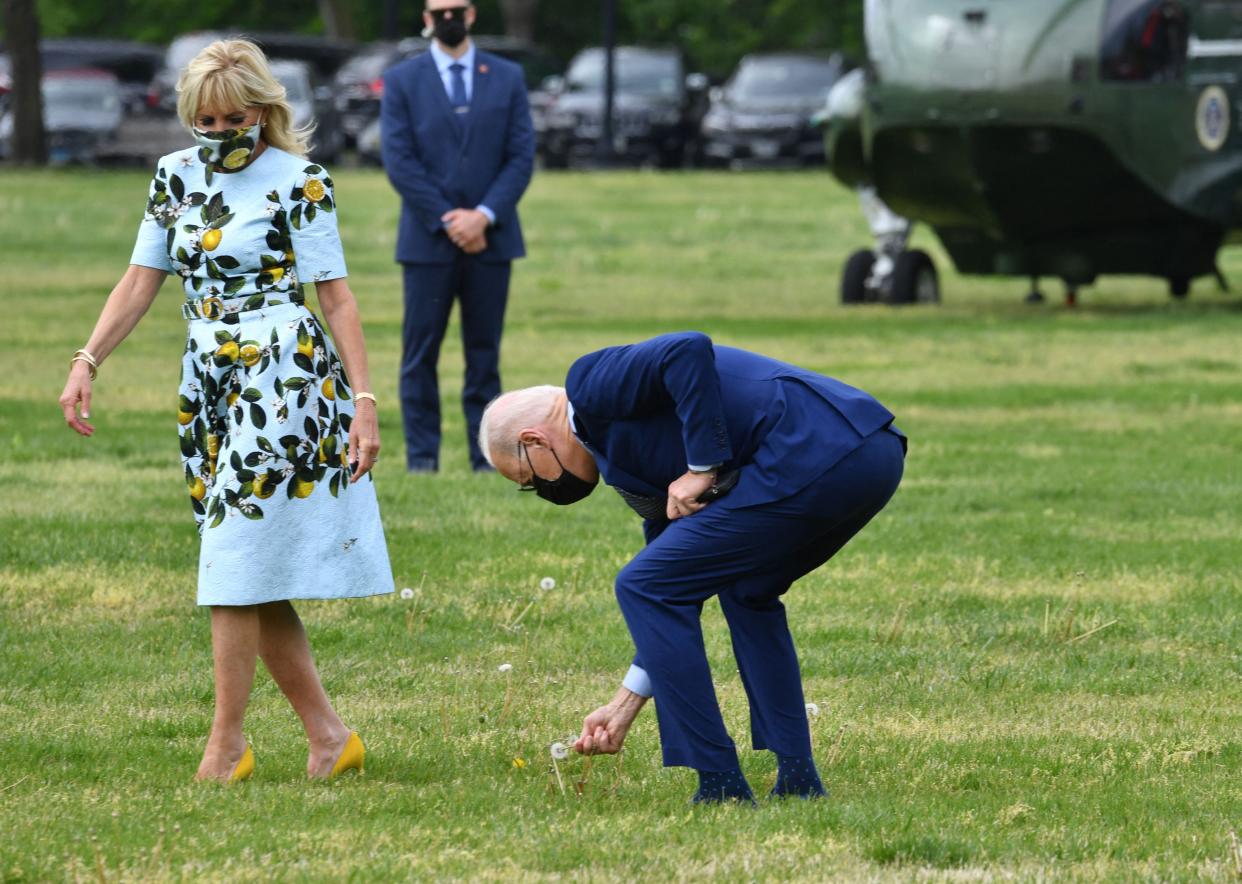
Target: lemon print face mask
<point x="229" y="149"/>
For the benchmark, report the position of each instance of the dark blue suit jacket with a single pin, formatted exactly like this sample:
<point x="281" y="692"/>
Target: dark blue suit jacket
<point x="438" y="162"/>
<point x="647" y="410"/>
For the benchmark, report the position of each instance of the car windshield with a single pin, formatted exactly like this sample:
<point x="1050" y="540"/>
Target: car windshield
<point x="182" y="50"/>
<point x="81" y="95"/>
<point x="365" y="67"/>
<point x="784" y="78"/>
<point x="293" y="78"/>
<point x="645" y="73"/>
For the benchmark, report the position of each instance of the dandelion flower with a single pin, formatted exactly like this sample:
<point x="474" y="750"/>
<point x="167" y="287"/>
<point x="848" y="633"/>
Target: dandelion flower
<point x="812" y="709"/>
<point x="505" y="667"/>
<point x="519" y="763"/>
<point x="560" y="751"/>
<point x="407" y="593"/>
<point x="547" y="583"/>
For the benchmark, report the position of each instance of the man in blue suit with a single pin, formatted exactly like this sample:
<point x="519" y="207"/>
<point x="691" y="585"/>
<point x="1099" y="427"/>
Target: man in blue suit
<point x="749" y="473"/>
<point x="458" y="145"/>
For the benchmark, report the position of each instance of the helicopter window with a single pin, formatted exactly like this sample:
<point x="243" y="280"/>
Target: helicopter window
<point x="1144" y="40"/>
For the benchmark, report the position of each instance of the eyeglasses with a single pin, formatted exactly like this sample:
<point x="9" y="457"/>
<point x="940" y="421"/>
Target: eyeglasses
<point x="443" y="14"/>
<point x="529" y="484"/>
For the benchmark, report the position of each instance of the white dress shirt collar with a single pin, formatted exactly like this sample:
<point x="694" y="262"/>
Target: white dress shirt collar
<point x="443" y="60"/>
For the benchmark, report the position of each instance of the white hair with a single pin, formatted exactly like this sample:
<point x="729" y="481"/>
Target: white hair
<point x="510" y="413"/>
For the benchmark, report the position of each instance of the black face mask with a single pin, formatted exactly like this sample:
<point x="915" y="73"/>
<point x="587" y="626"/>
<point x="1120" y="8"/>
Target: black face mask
<point x="563" y="490"/>
<point x="450" y="31"/>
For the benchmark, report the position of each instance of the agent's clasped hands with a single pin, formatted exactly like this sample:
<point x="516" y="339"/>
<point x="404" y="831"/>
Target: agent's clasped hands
<point x="467" y="228"/>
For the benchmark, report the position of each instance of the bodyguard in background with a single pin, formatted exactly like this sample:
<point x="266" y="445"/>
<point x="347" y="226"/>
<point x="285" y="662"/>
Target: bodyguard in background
<point x="459" y="147"/>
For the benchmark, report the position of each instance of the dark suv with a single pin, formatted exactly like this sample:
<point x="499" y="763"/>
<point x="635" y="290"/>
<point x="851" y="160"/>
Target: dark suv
<point x="656" y="109"/>
<point x="763" y="113"/>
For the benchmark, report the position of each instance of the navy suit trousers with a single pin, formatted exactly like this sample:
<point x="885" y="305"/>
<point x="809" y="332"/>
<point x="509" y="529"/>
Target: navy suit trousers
<point x="482" y="288"/>
<point x="748" y="557"/>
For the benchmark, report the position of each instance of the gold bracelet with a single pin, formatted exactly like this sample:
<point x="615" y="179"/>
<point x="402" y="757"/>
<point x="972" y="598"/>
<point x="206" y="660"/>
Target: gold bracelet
<point x="90" y="363"/>
<point x="370" y="396"/>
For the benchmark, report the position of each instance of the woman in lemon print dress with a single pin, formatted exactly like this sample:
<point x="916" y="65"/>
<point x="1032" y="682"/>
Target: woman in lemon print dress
<point x="277" y="432"/>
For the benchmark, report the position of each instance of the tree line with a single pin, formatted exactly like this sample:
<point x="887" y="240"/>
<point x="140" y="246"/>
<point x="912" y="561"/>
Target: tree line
<point x="714" y="34"/>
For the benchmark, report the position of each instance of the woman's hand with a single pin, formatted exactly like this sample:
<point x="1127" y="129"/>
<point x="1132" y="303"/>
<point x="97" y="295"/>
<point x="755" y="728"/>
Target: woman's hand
<point x="364" y="439"/>
<point x="78" y="392"/>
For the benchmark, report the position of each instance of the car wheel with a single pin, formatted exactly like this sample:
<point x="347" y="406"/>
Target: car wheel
<point x="670" y="159"/>
<point x="914" y="279"/>
<point x="553" y="160"/>
<point x="854" y="277"/>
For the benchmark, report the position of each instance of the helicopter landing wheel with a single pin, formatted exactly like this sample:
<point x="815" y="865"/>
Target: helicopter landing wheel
<point x="855" y="277"/>
<point x="1071" y="296"/>
<point x="1179" y="286"/>
<point x="1034" y="296"/>
<point x="914" y="279"/>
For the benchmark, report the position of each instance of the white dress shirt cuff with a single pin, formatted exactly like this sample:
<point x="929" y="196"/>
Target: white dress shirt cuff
<point x="702" y="468"/>
<point x="491" y="216"/>
<point x="636" y="680"/>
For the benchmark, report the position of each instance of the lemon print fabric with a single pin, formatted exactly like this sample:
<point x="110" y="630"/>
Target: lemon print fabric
<point x="242" y="239"/>
<point x="265" y="406"/>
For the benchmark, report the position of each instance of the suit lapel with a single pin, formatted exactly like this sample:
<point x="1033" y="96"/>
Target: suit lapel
<point x="482" y="80"/>
<point x="431" y="82"/>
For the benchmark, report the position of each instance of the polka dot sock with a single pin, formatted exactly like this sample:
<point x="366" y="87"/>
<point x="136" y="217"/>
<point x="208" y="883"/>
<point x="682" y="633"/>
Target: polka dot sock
<point x="716" y="786"/>
<point x="796" y="775"/>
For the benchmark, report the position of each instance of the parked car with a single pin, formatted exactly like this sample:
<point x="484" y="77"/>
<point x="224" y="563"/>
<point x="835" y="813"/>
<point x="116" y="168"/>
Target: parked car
<point x="82" y="111"/>
<point x="657" y="109"/>
<point x="370" y="152"/>
<point x="324" y="55"/>
<point x="6" y="83"/>
<point x="360" y="85"/>
<point x="133" y="64"/>
<point x="763" y="113"/>
<point x="312" y="101"/>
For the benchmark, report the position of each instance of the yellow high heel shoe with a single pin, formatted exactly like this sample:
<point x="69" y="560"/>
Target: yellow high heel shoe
<point x="351" y="757"/>
<point x="244" y="768"/>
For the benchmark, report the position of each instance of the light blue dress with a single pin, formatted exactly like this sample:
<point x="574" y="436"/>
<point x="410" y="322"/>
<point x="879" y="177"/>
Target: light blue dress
<point x="265" y="405"/>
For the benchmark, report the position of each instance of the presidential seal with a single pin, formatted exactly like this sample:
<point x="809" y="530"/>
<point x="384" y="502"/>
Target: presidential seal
<point x="1212" y="118"/>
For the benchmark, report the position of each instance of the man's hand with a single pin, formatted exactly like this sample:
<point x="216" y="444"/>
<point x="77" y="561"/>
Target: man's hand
<point x="474" y="246"/>
<point x="466" y="228"/>
<point x="604" y="730"/>
<point x="683" y="494"/>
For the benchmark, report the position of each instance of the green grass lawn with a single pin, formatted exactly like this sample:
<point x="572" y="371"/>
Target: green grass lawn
<point x="1028" y="666"/>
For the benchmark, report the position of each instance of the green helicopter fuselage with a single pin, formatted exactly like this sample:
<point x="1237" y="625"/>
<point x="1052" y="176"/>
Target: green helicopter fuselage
<point x="1067" y="138"/>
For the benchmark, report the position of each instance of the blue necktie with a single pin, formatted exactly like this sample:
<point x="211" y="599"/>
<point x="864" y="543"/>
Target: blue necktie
<point x="461" y="104"/>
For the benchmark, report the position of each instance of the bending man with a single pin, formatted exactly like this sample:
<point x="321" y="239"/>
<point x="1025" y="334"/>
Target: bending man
<point x="749" y="473"/>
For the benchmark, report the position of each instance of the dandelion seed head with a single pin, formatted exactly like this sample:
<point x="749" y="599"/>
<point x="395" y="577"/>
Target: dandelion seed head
<point x="812" y="709"/>
<point x="505" y="667"/>
<point x="547" y="583"/>
<point x="407" y="593"/>
<point x="560" y="751"/>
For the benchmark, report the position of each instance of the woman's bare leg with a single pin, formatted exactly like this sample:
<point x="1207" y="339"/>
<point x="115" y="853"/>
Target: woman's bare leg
<point x="234" y="645"/>
<point x="287" y="655"/>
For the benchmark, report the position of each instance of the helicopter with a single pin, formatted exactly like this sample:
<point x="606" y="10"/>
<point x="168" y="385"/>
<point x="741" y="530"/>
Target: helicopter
<point x="1042" y="138"/>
